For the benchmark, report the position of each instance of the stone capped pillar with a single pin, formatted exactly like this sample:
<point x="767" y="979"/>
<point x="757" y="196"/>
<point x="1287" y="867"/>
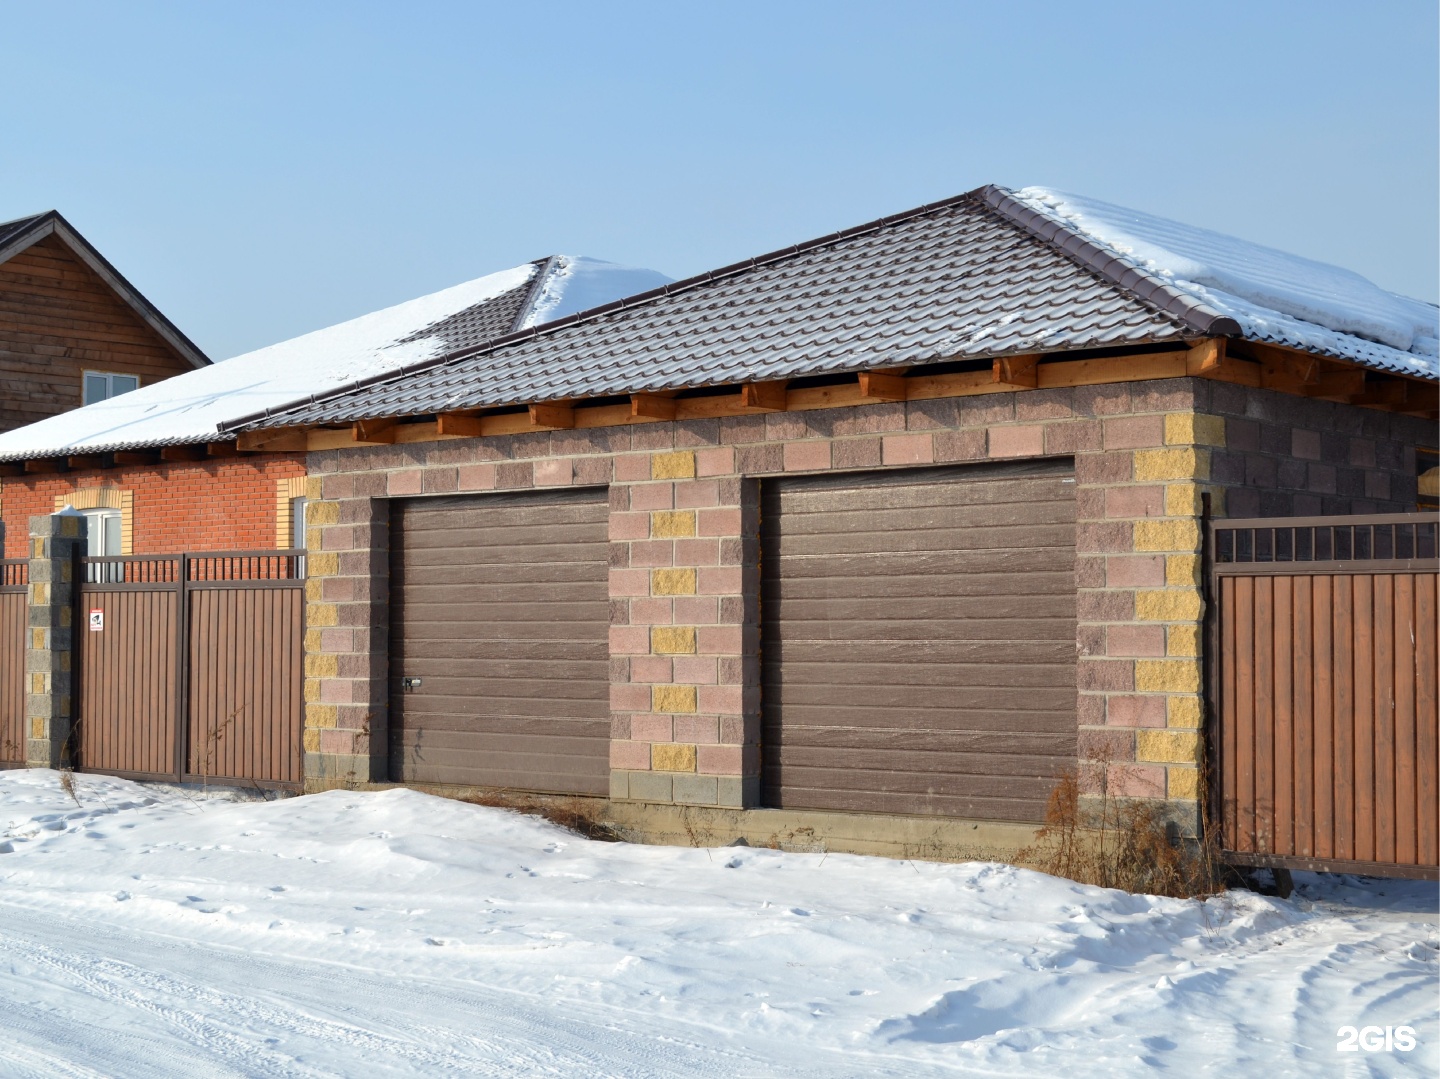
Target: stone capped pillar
<point x="56" y="544"/>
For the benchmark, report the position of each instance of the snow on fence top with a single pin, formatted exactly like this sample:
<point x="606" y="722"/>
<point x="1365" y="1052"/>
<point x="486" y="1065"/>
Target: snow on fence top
<point x="187" y="408"/>
<point x="1274" y="296"/>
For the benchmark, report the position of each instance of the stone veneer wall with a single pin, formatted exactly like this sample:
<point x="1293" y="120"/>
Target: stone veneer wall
<point x="684" y="551"/>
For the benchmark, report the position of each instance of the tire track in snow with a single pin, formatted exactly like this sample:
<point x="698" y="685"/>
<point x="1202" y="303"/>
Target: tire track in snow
<point x="176" y="983"/>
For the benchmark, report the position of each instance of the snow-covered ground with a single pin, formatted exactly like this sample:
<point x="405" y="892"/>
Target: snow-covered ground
<point x="147" y="931"/>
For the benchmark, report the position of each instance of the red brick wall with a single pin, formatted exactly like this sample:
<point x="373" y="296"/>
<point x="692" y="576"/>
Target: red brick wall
<point x="216" y="505"/>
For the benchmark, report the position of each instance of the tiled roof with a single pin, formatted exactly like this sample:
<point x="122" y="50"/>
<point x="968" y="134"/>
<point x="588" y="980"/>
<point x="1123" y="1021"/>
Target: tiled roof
<point x="956" y="280"/>
<point x="484" y="321"/>
<point x="9" y="230"/>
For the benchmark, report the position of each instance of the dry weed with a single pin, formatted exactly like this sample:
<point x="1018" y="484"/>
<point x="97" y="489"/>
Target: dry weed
<point x="579" y="815"/>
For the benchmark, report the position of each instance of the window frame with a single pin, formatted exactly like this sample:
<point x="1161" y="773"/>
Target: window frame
<point x="109" y="377"/>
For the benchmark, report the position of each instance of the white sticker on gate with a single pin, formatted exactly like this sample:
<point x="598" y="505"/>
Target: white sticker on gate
<point x="97" y="619"/>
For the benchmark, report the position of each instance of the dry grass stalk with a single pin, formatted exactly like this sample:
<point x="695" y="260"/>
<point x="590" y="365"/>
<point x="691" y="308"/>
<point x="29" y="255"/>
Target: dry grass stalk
<point x="579" y="815"/>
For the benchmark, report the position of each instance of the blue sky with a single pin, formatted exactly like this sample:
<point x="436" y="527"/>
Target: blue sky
<point x="263" y="169"/>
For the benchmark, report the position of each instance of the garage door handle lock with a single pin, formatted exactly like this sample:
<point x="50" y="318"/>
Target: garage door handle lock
<point x="410" y="683"/>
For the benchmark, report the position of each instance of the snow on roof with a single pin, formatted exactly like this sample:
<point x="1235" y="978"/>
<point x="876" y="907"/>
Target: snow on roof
<point x="1275" y="296"/>
<point x="188" y="408"/>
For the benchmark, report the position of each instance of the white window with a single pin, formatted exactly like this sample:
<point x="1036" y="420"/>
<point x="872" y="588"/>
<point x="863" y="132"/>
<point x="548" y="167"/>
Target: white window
<point x="100" y="386"/>
<point x="297" y="522"/>
<point x="104" y="532"/>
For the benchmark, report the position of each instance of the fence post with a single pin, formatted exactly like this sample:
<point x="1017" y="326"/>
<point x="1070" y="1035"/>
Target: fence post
<point x="56" y="544"/>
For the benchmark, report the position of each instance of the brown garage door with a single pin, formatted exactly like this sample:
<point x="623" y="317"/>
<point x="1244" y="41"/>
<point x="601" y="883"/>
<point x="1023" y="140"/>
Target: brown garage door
<point x="499" y="606"/>
<point x="918" y="640"/>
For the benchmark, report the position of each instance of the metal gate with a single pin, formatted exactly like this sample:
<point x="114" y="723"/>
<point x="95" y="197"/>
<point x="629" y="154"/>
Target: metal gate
<point x="14" y="578"/>
<point x="1324" y="668"/>
<point x="191" y="666"/>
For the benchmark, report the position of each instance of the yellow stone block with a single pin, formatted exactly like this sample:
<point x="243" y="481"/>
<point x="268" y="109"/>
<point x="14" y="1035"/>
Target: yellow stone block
<point x="321" y="715"/>
<point x="313" y="591"/>
<point x="37" y="683"/>
<point x="1182" y="640"/>
<point x="314" y="538"/>
<point x="312" y="690"/>
<point x="1167" y="535"/>
<point x="1167" y="746"/>
<point x="672" y="640"/>
<point x="320" y="665"/>
<point x="37" y="548"/>
<point x="672" y="582"/>
<point x="1194" y="429"/>
<point x="1167" y="676"/>
<point x="672" y="524"/>
<point x="322" y="513"/>
<point x="679" y="465"/>
<point x="1168" y="605"/>
<point x="312" y="640"/>
<point x="312" y="741"/>
<point x="37" y="638"/>
<point x="37" y="727"/>
<point x="312" y="488"/>
<point x="1182" y="570"/>
<point x="322" y="614"/>
<point x="1183" y="711"/>
<point x="1182" y="784"/>
<point x="672" y="757"/>
<point x="1153" y="465"/>
<point x="39" y="594"/>
<point x="325" y="564"/>
<point x="672" y="698"/>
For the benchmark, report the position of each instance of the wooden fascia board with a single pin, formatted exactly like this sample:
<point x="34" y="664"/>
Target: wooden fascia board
<point x="274" y="440"/>
<point x="27" y="239"/>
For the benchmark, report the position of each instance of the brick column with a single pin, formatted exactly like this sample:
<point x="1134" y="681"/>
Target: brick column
<point x="347" y="571"/>
<point x="56" y="544"/>
<point x="683" y="641"/>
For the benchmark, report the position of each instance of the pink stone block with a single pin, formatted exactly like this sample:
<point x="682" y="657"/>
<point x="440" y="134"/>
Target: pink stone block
<point x="408" y="482"/>
<point x="907" y="449"/>
<point x="702" y="730"/>
<point x="629" y="582"/>
<point x="697" y="552"/>
<point x="807" y="456"/>
<point x="652" y="496"/>
<point x="652" y="728"/>
<point x="632" y="756"/>
<point x="1305" y="444"/>
<point x="719" y="522"/>
<point x="1134" y="432"/>
<point x="652" y="553"/>
<point x="1125" y="711"/>
<point x="719" y="580"/>
<point x="650" y="669"/>
<point x="554" y="472"/>
<point x="629" y="640"/>
<point x="1028" y="441"/>
<point x="720" y="760"/>
<point x="477" y="478"/>
<point x="719" y="461"/>
<point x="339" y="742"/>
<point x="629" y="526"/>
<point x="1137" y="780"/>
<point x="336" y="691"/>
<point x="1135" y="571"/>
<point x="629" y="697"/>
<point x="697" y="494"/>
<point x="1135" y="641"/>
<point x="1135" y="502"/>
<point x="720" y="640"/>
<point x="721" y="700"/>
<point x="693" y="671"/>
<point x="337" y="640"/>
<point x="697" y="610"/>
<point x="632" y="467"/>
<point x="652" y="611"/>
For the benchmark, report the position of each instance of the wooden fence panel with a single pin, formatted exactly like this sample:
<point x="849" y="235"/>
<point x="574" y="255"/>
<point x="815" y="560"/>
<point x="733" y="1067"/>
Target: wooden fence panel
<point x="13" y="620"/>
<point x="1325" y="679"/>
<point x="245" y="679"/>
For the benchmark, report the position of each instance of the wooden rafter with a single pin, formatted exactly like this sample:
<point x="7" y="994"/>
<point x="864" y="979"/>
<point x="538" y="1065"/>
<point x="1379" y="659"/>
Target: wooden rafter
<point x="881" y="386"/>
<point x="556" y="416"/>
<point x="769" y="396"/>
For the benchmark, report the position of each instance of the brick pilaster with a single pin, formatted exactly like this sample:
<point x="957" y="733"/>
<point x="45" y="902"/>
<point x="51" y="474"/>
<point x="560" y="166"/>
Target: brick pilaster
<point x="56" y="544"/>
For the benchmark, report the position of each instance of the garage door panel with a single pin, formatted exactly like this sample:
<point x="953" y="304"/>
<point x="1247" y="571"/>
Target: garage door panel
<point x="500" y="606"/>
<point x="918" y="640"/>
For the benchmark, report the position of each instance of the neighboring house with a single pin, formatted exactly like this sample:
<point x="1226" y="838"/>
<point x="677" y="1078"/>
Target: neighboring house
<point x="153" y="471"/>
<point x="72" y="329"/>
<point x="894" y="525"/>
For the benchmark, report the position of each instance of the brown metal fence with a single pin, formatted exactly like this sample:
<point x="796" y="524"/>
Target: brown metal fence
<point x="14" y="583"/>
<point x="190" y="666"/>
<point x="1324" y="673"/>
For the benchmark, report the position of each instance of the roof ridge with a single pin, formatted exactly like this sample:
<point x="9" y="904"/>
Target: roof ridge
<point x="639" y="298"/>
<point x="544" y="268"/>
<point x="1153" y="291"/>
